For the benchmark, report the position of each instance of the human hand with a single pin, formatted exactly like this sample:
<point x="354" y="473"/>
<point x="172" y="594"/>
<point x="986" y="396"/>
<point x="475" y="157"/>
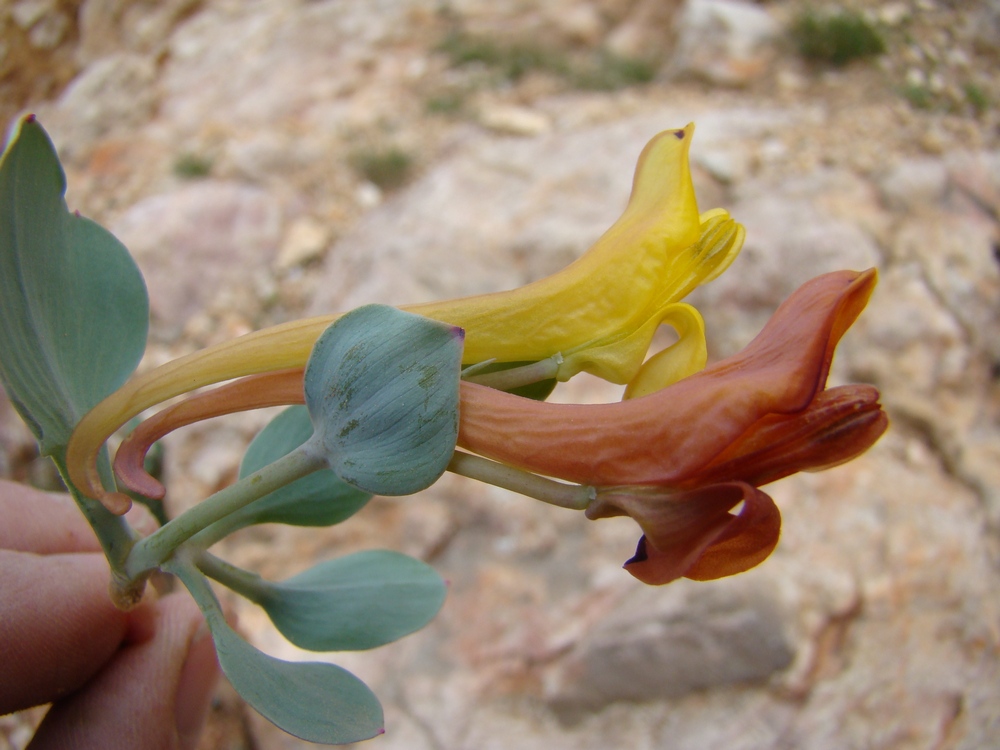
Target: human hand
<point x="139" y="679"/>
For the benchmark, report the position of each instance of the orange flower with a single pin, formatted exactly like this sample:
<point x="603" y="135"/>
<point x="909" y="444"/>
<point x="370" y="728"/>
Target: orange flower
<point x="679" y="460"/>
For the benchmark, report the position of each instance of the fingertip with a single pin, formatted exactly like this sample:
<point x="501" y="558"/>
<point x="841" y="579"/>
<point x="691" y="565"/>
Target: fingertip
<point x="195" y="687"/>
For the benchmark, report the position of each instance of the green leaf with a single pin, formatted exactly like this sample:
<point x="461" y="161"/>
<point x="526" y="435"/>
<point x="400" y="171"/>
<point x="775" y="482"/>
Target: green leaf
<point x="73" y="306"/>
<point x="357" y="602"/>
<point x="537" y="391"/>
<point x="319" y="499"/>
<point x="382" y="388"/>
<point x="314" y="701"/>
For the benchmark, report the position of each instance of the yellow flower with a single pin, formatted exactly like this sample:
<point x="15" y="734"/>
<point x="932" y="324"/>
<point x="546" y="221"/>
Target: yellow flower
<point x="598" y="314"/>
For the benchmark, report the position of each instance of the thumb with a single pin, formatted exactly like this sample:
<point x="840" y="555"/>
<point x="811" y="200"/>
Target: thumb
<point x="154" y="693"/>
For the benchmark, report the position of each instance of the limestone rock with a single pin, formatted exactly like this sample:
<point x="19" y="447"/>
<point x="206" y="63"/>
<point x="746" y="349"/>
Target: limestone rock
<point x="515" y="120"/>
<point x="665" y="643"/>
<point x="112" y="95"/>
<point x="202" y="246"/>
<point x="791" y="237"/>
<point x="144" y="27"/>
<point x="305" y="240"/>
<point x="727" y="42"/>
<point x="648" y="32"/>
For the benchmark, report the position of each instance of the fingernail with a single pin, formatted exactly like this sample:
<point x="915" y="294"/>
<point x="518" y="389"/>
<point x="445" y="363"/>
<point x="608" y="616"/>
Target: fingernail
<point x="195" y="687"/>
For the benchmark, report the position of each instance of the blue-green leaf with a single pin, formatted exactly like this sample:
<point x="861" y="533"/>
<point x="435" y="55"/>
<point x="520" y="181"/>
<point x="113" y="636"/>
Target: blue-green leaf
<point x="382" y="388"/>
<point x="314" y="701"/>
<point x="356" y="602"/>
<point x="319" y="499"/>
<point x="73" y="306"/>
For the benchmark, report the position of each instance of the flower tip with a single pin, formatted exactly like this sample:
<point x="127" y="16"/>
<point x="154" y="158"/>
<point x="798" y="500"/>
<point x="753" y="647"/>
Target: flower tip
<point x="116" y="502"/>
<point x="131" y="472"/>
<point x="640" y="553"/>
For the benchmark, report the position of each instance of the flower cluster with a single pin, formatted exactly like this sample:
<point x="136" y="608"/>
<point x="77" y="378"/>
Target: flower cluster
<point x="684" y="453"/>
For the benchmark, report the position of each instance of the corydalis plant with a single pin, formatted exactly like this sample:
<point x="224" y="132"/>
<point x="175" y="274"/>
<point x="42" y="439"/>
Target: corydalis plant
<point x="385" y="407"/>
<point x="678" y="460"/>
<point x="597" y="315"/>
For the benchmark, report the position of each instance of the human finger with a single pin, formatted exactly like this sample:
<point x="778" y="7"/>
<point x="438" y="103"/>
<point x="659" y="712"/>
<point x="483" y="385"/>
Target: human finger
<point x="50" y="523"/>
<point x="58" y="625"/>
<point x="42" y="522"/>
<point x="154" y="694"/>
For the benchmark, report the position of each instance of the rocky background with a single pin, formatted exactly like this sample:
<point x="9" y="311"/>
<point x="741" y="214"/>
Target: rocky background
<point x="269" y="159"/>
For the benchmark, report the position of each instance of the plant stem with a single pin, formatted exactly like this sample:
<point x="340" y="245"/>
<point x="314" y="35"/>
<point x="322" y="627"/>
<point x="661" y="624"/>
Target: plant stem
<point x="216" y="531"/>
<point x="115" y="535"/>
<point x="158" y="546"/>
<point x="246" y="584"/>
<point x="184" y="568"/>
<point x="515" y="377"/>
<point x="572" y="496"/>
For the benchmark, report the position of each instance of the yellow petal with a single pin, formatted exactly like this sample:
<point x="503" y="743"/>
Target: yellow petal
<point x="616" y="355"/>
<point x="685" y="357"/>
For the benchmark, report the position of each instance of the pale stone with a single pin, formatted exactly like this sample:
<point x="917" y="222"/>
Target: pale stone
<point x="514" y="120"/>
<point x="49" y="31"/>
<point x="665" y="643"/>
<point x="580" y="22"/>
<point x="894" y="13"/>
<point x="26" y="13"/>
<point x="725" y="165"/>
<point x="915" y="183"/>
<point x="305" y="240"/>
<point x="113" y="94"/>
<point x="791" y="236"/>
<point x="648" y="32"/>
<point x="725" y="41"/>
<point x="200" y="247"/>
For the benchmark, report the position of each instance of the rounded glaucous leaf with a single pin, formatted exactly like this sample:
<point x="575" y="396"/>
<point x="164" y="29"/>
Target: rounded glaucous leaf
<point x="382" y="388"/>
<point x="73" y="306"/>
<point x="319" y="499"/>
<point x="317" y="702"/>
<point x="356" y="602"/>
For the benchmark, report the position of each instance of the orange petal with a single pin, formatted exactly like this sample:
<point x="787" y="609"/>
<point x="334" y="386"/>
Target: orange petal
<point x="746" y="541"/>
<point x="840" y="424"/>
<point x="670" y="435"/>
<point x="692" y="533"/>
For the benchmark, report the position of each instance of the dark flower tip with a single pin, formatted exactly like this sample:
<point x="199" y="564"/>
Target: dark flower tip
<point x="640" y="553"/>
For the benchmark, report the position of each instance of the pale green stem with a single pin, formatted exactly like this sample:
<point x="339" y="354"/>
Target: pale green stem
<point x="249" y="585"/>
<point x="115" y="536"/>
<point x="184" y="568"/>
<point x="152" y="551"/>
<point x="515" y="377"/>
<point x="572" y="496"/>
<point x="218" y="530"/>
